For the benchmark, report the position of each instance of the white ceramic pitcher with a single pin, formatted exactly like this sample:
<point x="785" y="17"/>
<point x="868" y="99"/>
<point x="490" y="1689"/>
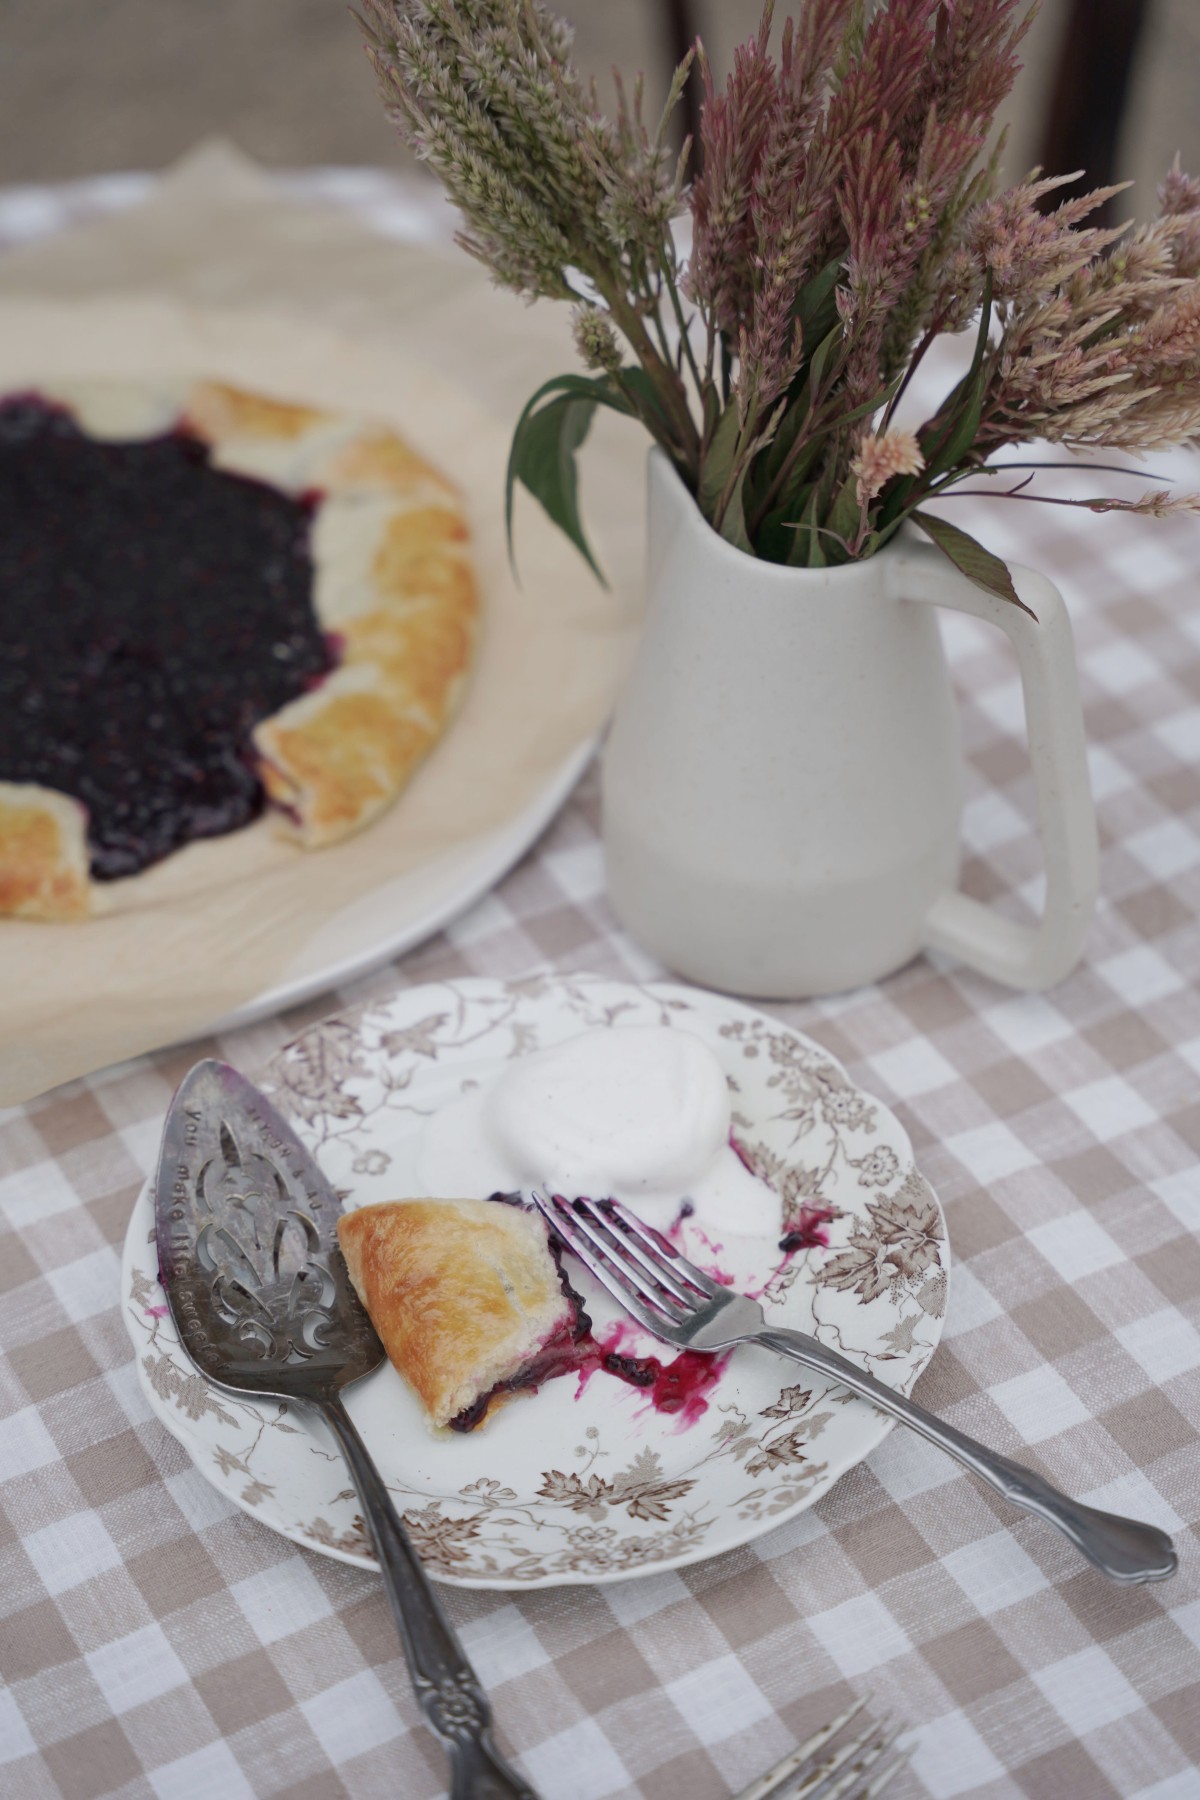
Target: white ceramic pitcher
<point x="783" y="780"/>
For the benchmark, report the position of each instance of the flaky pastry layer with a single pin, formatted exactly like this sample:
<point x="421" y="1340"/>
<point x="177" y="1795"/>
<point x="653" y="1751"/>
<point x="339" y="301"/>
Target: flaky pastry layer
<point x="43" y="853"/>
<point x="463" y="1293"/>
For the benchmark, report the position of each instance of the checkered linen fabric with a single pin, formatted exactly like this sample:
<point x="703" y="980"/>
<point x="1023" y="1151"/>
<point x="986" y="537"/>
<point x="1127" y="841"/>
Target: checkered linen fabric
<point x="156" y="1642"/>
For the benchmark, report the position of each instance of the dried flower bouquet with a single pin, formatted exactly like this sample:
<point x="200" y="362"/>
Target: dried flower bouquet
<point x="844" y="216"/>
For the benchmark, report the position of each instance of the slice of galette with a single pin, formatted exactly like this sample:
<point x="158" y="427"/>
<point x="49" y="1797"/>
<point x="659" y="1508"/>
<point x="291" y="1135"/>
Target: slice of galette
<point x="467" y="1297"/>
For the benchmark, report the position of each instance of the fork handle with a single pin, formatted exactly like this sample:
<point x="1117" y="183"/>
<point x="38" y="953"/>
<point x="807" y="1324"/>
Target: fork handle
<point x="1124" y="1549"/>
<point x="447" y="1688"/>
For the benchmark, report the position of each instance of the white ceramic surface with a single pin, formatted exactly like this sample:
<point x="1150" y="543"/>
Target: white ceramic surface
<point x="782" y="784"/>
<point x="561" y="1487"/>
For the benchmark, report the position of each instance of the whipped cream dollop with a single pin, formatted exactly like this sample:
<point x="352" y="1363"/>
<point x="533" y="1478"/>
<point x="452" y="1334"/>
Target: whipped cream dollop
<point x="633" y="1113"/>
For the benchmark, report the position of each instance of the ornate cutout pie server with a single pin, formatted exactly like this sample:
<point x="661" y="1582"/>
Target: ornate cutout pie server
<point x="247" y="1244"/>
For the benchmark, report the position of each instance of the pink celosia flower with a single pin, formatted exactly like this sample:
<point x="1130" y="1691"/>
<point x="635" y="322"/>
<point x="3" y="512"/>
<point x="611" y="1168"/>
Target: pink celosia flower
<point x="880" y="457"/>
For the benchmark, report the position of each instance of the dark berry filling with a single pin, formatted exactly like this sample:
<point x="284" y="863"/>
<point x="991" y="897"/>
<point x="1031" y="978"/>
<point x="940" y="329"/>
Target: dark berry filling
<point x="561" y="1356"/>
<point x="675" y="1387"/>
<point x="809" y="1231"/>
<point x="152" y="611"/>
<point x="638" y="1371"/>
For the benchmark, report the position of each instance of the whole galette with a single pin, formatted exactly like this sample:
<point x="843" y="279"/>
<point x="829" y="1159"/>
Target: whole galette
<point x="210" y="602"/>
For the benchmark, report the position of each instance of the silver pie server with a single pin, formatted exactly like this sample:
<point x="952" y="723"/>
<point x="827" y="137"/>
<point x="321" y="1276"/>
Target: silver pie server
<point x="247" y="1246"/>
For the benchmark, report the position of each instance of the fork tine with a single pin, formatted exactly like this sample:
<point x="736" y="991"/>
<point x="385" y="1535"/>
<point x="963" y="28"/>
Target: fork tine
<point x="660" y="1270"/>
<point x="674" y="1300"/>
<point x="832" y="1779"/>
<point x="887" y="1775"/>
<point x="847" y="1780"/>
<point x="799" y="1776"/>
<point x="664" y="1256"/>
<point x="852" y="1786"/>
<point x="654" y="1316"/>
<point x="766" y="1785"/>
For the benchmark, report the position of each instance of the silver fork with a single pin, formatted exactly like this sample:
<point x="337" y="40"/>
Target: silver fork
<point x="851" y="1772"/>
<point x="680" y="1304"/>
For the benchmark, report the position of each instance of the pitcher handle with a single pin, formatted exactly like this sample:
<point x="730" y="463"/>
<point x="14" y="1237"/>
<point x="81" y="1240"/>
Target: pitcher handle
<point x="1023" y="956"/>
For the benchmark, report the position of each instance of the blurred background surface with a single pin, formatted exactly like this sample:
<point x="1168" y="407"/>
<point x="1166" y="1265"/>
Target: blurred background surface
<point x="133" y="84"/>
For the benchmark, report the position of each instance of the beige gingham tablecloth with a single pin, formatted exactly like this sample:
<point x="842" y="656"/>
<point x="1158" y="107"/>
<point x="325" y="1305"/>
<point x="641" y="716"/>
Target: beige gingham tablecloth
<point x="156" y="1642"/>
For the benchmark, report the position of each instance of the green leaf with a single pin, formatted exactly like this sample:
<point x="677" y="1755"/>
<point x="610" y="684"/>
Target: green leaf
<point x="776" y="537"/>
<point x="801" y="474"/>
<point x="896" y="506"/>
<point x="712" y="410"/>
<point x="976" y="563"/>
<point x="985" y="324"/>
<point x="718" y="461"/>
<point x="733" y="525"/>
<point x="882" y="398"/>
<point x="799" y="407"/>
<point x="883" y="534"/>
<point x="846" y="512"/>
<point x="815" y="306"/>
<point x="820" y="356"/>
<point x="963" y="427"/>
<point x="645" y="404"/>
<point x="548" y="435"/>
<point x="843" y="419"/>
<point x="807" y="552"/>
<point x="768" y="465"/>
<point x="800" y="477"/>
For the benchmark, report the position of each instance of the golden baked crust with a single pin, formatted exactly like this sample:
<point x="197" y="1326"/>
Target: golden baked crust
<point x="394" y="586"/>
<point x="463" y="1293"/>
<point x="217" y="412"/>
<point x="333" y="760"/>
<point x="43" y="853"/>
<point x="381" y="462"/>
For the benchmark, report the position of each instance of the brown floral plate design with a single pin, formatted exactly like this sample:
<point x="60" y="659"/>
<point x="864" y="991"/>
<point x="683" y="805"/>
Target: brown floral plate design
<point x="584" y="1481"/>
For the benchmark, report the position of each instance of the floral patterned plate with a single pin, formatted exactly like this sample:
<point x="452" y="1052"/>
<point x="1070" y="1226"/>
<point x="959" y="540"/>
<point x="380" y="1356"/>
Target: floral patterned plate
<point x="585" y="1481"/>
